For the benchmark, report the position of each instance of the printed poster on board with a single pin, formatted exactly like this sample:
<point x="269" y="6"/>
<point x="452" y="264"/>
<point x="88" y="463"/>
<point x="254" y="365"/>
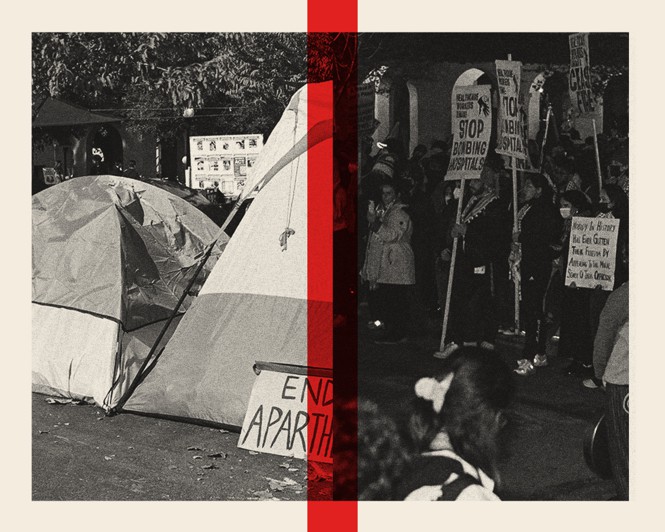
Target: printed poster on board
<point x="471" y="113"/>
<point x="592" y="253"/>
<point x="221" y="161"/>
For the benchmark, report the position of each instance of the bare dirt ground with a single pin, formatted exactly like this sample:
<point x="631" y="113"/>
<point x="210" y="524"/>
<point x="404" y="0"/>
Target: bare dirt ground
<point x="80" y="454"/>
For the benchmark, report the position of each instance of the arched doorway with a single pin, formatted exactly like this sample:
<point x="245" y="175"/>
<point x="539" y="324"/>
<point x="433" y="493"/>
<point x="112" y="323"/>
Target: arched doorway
<point x="106" y="143"/>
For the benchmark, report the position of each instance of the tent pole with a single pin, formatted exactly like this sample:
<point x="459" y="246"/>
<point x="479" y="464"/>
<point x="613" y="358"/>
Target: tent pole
<point x="151" y="353"/>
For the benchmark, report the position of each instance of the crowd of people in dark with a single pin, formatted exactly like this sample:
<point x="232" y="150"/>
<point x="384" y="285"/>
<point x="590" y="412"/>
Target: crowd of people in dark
<point x="413" y="229"/>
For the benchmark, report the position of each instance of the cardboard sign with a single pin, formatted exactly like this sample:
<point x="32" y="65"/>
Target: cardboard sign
<point x="592" y="253"/>
<point x="579" y="77"/>
<point x="511" y="135"/>
<point x="290" y="413"/>
<point x="221" y="161"/>
<point x="471" y="113"/>
<point x="366" y="99"/>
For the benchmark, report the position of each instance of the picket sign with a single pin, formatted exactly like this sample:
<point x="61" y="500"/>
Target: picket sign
<point x="290" y="412"/>
<point x="592" y="253"/>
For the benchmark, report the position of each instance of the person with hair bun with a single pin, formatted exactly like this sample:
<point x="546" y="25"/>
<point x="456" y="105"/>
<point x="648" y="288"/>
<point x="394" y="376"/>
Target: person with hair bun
<point x="457" y="427"/>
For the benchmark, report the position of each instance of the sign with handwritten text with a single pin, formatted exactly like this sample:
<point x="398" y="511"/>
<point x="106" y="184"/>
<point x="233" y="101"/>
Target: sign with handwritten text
<point x="290" y="414"/>
<point x="471" y="113"/>
<point x="592" y="253"/>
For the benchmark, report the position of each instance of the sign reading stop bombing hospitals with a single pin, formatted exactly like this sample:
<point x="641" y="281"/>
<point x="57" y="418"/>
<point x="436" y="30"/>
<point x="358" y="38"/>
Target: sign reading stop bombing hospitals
<point x="471" y="112"/>
<point x="290" y="413"/>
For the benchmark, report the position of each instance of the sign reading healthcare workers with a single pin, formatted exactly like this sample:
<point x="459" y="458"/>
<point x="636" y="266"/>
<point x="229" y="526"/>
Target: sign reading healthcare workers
<point x="511" y="133"/>
<point x="223" y="161"/>
<point x="579" y="77"/>
<point x="471" y="113"/>
<point x="290" y="414"/>
<point x="592" y="253"/>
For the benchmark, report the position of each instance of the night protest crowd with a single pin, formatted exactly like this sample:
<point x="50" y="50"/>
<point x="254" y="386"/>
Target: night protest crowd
<point x="450" y="449"/>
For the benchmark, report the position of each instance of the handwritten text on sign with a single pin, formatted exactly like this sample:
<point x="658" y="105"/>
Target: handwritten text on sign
<point x="471" y="113"/>
<point x="290" y="415"/>
<point x="579" y="77"/>
<point x="511" y="134"/>
<point x="592" y="253"/>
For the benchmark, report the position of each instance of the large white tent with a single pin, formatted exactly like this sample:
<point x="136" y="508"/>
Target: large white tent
<point x="254" y="305"/>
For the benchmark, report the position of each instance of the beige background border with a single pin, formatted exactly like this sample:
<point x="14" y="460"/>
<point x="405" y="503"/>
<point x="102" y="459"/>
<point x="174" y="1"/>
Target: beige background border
<point x="647" y="259"/>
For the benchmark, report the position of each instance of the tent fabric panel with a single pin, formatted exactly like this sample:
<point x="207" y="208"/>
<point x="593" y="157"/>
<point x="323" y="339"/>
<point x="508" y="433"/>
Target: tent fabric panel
<point x="79" y="266"/>
<point x="254" y="261"/>
<point x="117" y="247"/>
<point x="206" y="370"/>
<point x="135" y="348"/>
<point x="73" y="353"/>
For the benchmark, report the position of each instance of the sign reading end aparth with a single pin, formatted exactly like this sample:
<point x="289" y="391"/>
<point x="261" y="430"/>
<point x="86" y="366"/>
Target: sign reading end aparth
<point x="290" y="412"/>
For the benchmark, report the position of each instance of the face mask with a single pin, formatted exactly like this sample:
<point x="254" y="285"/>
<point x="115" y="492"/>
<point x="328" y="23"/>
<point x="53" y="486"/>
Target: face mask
<point x="457" y="192"/>
<point x="565" y="212"/>
<point x="604" y="207"/>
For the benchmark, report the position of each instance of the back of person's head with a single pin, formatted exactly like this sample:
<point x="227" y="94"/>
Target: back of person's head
<point x="382" y="454"/>
<point x="419" y="151"/>
<point x="466" y="399"/>
<point x="439" y="144"/>
<point x="577" y="199"/>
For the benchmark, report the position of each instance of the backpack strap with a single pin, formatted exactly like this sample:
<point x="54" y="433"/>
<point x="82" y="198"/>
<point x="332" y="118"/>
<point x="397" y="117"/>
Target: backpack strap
<point x="433" y="471"/>
<point x="451" y="491"/>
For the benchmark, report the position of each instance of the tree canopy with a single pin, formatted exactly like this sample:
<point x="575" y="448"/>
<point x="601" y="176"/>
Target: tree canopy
<point x="235" y="82"/>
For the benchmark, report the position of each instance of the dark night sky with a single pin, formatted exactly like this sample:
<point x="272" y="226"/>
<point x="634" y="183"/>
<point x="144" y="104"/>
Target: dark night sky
<point x="547" y="48"/>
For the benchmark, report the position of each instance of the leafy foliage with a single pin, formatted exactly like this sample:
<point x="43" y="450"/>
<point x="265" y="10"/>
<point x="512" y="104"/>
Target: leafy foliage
<point x="236" y="82"/>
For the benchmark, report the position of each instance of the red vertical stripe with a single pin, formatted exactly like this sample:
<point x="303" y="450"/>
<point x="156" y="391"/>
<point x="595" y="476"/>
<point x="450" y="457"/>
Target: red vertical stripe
<point x="340" y="17"/>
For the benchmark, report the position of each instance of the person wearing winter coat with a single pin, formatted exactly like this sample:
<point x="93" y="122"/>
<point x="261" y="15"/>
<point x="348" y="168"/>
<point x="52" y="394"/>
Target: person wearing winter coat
<point x="389" y="264"/>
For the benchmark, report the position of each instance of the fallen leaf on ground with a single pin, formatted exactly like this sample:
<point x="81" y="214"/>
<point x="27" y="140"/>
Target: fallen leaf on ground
<point x="109" y="457"/>
<point x="197" y="457"/>
<point x="293" y="469"/>
<point x="193" y="448"/>
<point x="285" y="465"/>
<point x="264" y="496"/>
<point x="57" y="401"/>
<point x="217" y="455"/>
<point x="43" y="431"/>
<point x="209" y="466"/>
<point x="253" y="452"/>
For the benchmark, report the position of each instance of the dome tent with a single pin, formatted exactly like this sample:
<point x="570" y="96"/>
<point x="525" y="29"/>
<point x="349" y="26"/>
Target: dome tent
<point x="111" y="258"/>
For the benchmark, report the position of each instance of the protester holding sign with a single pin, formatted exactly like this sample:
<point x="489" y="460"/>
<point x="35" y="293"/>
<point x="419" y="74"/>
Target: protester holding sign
<point x="539" y="226"/>
<point x="485" y="233"/>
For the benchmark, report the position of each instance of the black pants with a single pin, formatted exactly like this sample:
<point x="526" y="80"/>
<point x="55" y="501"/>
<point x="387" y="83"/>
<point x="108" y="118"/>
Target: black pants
<point x="534" y="285"/>
<point x="575" y="339"/>
<point x="617" y="432"/>
<point x="392" y="307"/>
<point x="472" y="309"/>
